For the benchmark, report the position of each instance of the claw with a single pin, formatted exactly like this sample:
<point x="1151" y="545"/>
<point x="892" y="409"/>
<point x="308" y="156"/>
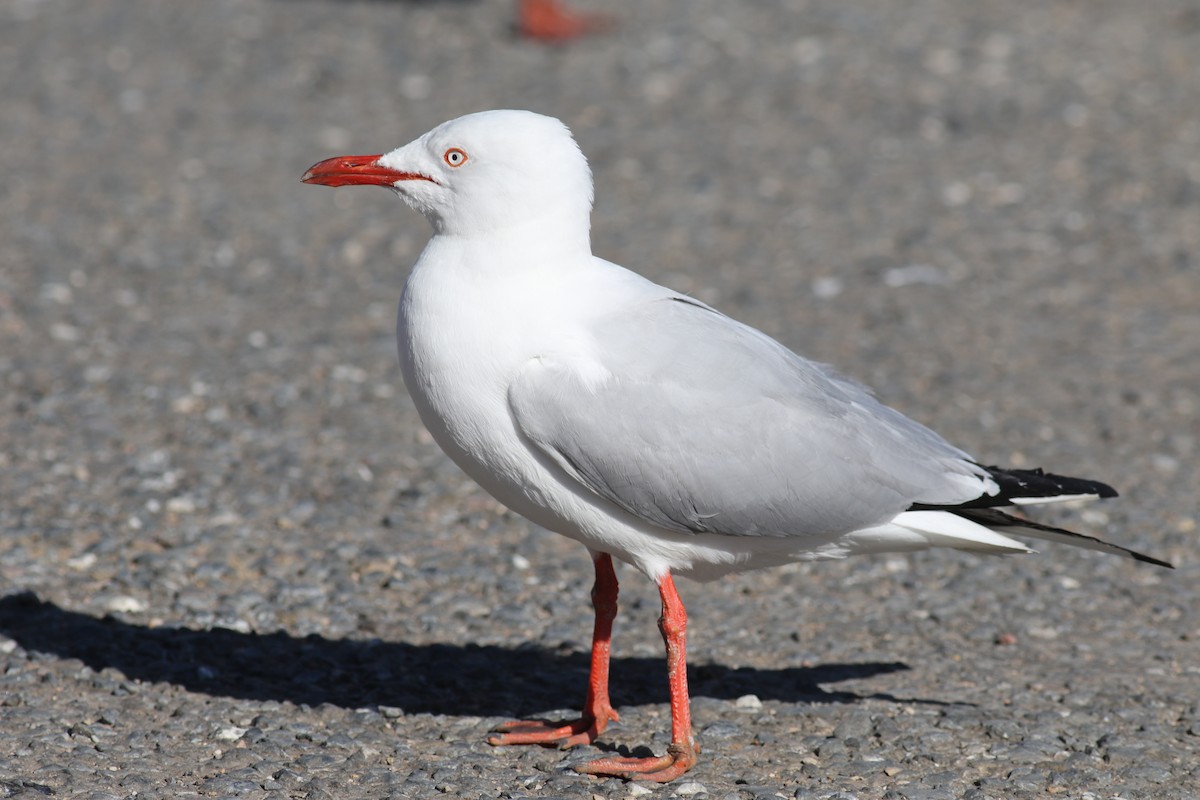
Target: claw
<point x="568" y="733"/>
<point x="659" y="769"/>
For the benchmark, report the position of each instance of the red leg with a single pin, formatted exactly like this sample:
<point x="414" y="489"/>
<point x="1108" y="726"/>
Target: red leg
<point x="681" y="754"/>
<point x="597" y="710"/>
<point x="553" y="21"/>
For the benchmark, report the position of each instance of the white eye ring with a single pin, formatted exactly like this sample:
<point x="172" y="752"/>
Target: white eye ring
<point x="455" y="156"/>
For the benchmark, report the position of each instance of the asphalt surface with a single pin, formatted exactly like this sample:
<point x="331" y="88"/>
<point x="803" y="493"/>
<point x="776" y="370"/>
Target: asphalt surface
<point x="232" y="564"/>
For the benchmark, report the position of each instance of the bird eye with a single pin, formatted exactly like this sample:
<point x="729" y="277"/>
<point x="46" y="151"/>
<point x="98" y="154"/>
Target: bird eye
<point x="455" y="157"/>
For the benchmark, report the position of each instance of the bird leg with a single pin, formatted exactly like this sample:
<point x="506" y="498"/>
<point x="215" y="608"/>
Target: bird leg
<point x="681" y="753"/>
<point x="597" y="710"/>
<point x="555" y="21"/>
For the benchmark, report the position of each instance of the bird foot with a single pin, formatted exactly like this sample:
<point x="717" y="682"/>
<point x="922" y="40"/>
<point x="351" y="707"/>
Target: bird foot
<point x="659" y="769"/>
<point x="569" y="733"/>
<point x="554" y="21"/>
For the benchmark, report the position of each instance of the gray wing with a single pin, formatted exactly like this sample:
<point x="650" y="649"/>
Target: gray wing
<point x="695" y="422"/>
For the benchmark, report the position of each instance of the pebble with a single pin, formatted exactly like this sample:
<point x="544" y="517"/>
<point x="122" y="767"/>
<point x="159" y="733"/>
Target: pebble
<point x="204" y="425"/>
<point x="748" y="703"/>
<point x="125" y="604"/>
<point x="230" y="734"/>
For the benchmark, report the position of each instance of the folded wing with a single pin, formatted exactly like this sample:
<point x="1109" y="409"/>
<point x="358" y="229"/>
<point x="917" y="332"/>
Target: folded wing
<point x="695" y="422"/>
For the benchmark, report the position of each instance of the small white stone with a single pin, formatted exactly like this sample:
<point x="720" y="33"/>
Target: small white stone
<point x="186" y="404"/>
<point x="693" y="787"/>
<point x="748" y="702"/>
<point x="230" y="734"/>
<point x="239" y="625"/>
<point x="183" y="504"/>
<point x="123" y="603"/>
<point x="1044" y="632"/>
<point x="82" y="562"/>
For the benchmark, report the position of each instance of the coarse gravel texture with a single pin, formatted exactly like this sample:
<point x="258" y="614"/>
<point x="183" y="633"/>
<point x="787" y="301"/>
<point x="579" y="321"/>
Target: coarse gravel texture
<point x="232" y="564"/>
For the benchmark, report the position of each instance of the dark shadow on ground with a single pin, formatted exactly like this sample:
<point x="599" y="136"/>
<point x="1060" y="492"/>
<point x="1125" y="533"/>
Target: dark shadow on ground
<point x="434" y="678"/>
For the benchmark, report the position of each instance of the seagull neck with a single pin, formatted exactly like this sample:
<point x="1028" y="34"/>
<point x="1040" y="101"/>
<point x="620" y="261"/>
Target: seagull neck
<point x="549" y="233"/>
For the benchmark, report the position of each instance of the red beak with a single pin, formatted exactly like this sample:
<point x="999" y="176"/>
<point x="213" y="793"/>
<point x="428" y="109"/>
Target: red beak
<point x="358" y="171"/>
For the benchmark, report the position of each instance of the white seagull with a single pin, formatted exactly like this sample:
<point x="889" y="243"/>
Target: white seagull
<point x="641" y="422"/>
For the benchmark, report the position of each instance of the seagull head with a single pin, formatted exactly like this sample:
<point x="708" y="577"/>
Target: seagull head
<point x="489" y="172"/>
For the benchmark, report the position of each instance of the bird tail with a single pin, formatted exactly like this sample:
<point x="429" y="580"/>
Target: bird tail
<point x="1016" y="487"/>
<point x="988" y="530"/>
<point x="1000" y="522"/>
<point x="946" y="529"/>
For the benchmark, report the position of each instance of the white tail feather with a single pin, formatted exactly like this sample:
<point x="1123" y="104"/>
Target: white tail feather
<point x="943" y="529"/>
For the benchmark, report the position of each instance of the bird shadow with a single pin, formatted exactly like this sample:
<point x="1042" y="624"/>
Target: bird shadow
<point x="418" y="678"/>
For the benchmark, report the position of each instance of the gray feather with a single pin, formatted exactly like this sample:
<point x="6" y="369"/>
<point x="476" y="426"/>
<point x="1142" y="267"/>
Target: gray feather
<point x="703" y="424"/>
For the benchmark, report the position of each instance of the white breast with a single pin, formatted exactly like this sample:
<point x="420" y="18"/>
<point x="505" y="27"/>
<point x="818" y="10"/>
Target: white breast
<point x="463" y="333"/>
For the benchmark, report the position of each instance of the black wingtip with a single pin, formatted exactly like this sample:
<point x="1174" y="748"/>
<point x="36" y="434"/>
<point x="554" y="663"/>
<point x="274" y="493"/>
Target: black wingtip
<point x="1025" y="484"/>
<point x="1039" y="483"/>
<point x="1150" y="559"/>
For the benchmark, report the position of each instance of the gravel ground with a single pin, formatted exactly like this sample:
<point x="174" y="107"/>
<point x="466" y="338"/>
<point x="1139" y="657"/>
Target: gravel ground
<point x="234" y="565"/>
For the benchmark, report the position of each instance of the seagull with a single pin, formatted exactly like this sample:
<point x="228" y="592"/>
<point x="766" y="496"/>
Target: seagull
<point x="643" y="423"/>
